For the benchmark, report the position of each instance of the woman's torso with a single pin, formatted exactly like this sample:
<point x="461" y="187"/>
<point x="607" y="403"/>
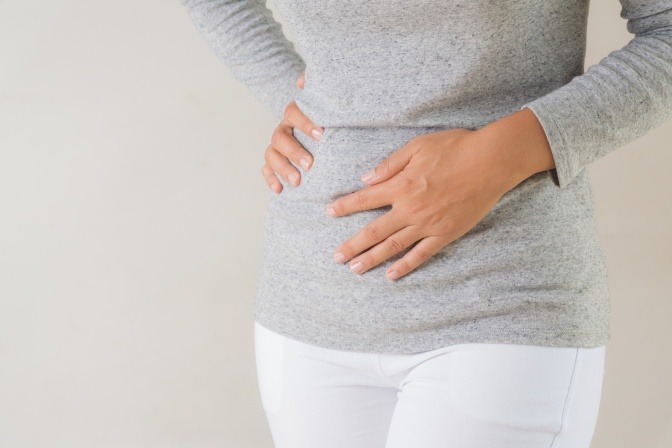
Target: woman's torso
<point x="377" y="74"/>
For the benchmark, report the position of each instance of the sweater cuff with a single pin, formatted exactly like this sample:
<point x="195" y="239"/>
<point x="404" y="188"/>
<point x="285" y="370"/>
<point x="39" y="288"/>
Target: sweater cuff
<point x="565" y="169"/>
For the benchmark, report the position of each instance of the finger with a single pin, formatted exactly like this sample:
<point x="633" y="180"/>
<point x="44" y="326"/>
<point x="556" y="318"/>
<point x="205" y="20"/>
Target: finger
<point x="392" y="164"/>
<point x="421" y="252"/>
<point x="271" y="178"/>
<point x="367" y="198"/>
<point x="284" y="142"/>
<point x="373" y="233"/>
<point x="389" y="247"/>
<point x="280" y="164"/>
<point x="295" y="117"/>
<point x="301" y="81"/>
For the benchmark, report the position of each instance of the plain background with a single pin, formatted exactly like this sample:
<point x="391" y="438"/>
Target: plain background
<point x="131" y="213"/>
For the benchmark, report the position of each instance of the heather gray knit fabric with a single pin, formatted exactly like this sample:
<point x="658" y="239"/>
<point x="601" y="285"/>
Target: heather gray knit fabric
<point x="380" y="72"/>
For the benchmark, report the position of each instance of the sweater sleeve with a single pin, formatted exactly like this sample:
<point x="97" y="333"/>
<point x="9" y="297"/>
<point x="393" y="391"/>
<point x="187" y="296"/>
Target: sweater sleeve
<point x="250" y="42"/>
<point x="626" y="94"/>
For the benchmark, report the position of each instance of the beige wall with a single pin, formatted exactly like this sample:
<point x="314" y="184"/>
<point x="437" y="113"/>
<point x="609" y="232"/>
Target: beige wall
<point x="131" y="208"/>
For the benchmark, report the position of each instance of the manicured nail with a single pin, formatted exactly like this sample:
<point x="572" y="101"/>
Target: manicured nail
<point x="317" y="132"/>
<point x="339" y="257"/>
<point x="357" y="267"/>
<point x="369" y="175"/>
<point x="294" y="178"/>
<point x="330" y="211"/>
<point x="304" y="162"/>
<point x="392" y="275"/>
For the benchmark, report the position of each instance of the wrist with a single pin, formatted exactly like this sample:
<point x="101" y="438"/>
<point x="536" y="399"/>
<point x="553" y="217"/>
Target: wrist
<point x="519" y="144"/>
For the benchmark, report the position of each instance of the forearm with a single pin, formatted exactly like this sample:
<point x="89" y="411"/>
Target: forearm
<point x="518" y="144"/>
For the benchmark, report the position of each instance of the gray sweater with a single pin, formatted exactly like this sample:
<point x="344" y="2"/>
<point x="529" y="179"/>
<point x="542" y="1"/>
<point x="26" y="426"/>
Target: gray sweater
<point x="379" y="73"/>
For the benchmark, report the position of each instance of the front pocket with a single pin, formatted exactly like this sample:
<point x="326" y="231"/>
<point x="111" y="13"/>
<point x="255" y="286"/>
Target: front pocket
<point x="522" y="387"/>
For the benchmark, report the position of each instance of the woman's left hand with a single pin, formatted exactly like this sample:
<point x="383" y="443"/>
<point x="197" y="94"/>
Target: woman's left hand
<point x="440" y="185"/>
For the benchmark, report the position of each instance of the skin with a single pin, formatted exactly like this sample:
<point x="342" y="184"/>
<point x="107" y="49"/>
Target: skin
<point x="440" y="185"/>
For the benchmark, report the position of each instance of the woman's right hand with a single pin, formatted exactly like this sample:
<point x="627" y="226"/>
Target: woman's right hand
<point x="284" y="148"/>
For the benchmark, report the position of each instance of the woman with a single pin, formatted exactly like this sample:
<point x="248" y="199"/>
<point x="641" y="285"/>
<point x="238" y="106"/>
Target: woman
<point x="455" y="295"/>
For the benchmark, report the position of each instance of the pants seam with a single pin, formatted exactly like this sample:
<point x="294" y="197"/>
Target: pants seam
<point x="375" y="359"/>
<point x="570" y="389"/>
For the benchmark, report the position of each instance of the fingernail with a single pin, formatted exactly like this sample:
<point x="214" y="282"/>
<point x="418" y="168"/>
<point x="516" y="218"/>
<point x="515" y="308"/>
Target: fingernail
<point x="293" y="178"/>
<point x="317" y="132"/>
<point x="330" y="210"/>
<point x="339" y="257"/>
<point x="392" y="275"/>
<point x="304" y="162"/>
<point x="357" y="267"/>
<point x="369" y="175"/>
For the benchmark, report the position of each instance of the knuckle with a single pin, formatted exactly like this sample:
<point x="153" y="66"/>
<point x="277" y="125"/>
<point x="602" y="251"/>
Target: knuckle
<point x="393" y="244"/>
<point x="362" y="199"/>
<point x="384" y="166"/>
<point x="371" y="232"/>
<point x="289" y="172"/>
<point x="403" y="267"/>
<point x="276" y="139"/>
<point x="415" y="208"/>
<point x="289" y="112"/>
<point x="437" y="219"/>
<point x="422" y="254"/>
<point x="295" y="154"/>
<point x="449" y="225"/>
<point x="367" y="260"/>
<point x="406" y="184"/>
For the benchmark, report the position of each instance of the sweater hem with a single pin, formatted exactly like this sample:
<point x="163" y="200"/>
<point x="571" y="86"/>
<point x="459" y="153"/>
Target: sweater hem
<point x="432" y="340"/>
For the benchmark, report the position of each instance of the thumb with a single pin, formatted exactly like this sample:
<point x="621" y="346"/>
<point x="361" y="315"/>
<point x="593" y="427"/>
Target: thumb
<point x="390" y="166"/>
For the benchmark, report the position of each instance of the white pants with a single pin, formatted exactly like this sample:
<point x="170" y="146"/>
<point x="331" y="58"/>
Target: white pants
<point x="462" y="396"/>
